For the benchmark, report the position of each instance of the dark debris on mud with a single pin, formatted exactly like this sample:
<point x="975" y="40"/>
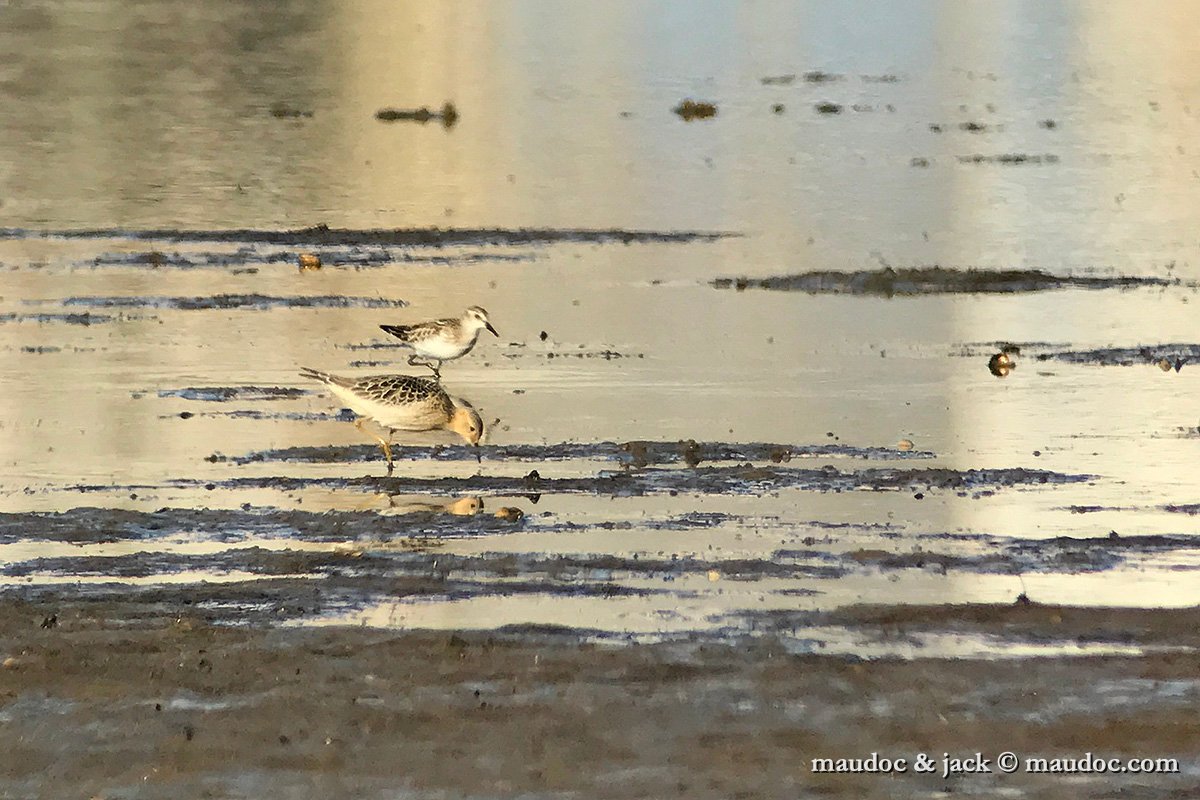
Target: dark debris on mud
<point x="891" y="282"/>
<point x="689" y="110"/>
<point x="447" y="115"/>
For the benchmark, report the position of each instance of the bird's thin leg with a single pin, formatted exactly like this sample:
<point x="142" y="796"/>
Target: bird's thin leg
<point x="385" y="444"/>
<point x="435" y="365"/>
<point x="387" y="451"/>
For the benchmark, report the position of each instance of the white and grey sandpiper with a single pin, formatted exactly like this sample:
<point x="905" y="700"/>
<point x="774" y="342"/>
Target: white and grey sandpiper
<point x="442" y="339"/>
<point x="404" y="403"/>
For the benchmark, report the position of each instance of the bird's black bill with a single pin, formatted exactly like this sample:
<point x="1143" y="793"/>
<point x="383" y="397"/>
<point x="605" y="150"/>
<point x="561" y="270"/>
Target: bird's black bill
<point x="493" y="330"/>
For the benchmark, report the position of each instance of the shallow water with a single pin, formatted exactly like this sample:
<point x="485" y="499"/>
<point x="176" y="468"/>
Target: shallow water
<point x="145" y="371"/>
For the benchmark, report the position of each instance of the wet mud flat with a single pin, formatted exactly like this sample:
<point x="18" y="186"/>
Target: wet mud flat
<point x="261" y="611"/>
<point x="96" y="703"/>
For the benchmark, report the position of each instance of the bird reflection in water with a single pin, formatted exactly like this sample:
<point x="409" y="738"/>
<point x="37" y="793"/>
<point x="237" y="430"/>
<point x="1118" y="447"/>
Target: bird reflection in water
<point x="416" y="504"/>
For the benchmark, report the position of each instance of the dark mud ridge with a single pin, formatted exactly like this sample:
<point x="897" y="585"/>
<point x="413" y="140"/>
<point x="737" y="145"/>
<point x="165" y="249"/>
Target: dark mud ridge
<point x="1021" y="621"/>
<point x="1190" y="509"/>
<point x="1022" y="556"/>
<point x="373" y="558"/>
<point x="1173" y="356"/>
<point x="408" y="237"/>
<point x="344" y="415"/>
<point x="219" y="394"/>
<point x="352" y="256"/>
<point x="935" y="280"/>
<point x="1009" y="159"/>
<point x="415" y="523"/>
<point x="743" y="479"/>
<point x="635" y="454"/>
<point x="84" y="319"/>
<point x="234" y="301"/>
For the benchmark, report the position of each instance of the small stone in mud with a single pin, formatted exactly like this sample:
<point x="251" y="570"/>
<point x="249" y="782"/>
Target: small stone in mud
<point x="1164" y="365"/>
<point x="904" y="445"/>
<point x="777" y="80"/>
<point x="917" y="161"/>
<point x="1037" y="453"/>
<point x="1048" y="124"/>
<point x="50" y="621"/>
<point x="933" y="126"/>
<point x="509" y="514"/>
<point x="308" y="261"/>
<point x="690" y="451"/>
<point x="186" y="415"/>
<point x="1023" y="600"/>
<point x="777" y="108"/>
<point x="919" y="496"/>
<point x="690" y="109"/>
<point x="816" y="76"/>
<point x="828" y="108"/>
<point x="972" y="127"/>
<point x="189" y="732"/>
<point x="543" y="336"/>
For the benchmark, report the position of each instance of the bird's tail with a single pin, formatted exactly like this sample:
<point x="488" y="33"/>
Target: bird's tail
<point x="324" y="377"/>
<point x="399" y="331"/>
